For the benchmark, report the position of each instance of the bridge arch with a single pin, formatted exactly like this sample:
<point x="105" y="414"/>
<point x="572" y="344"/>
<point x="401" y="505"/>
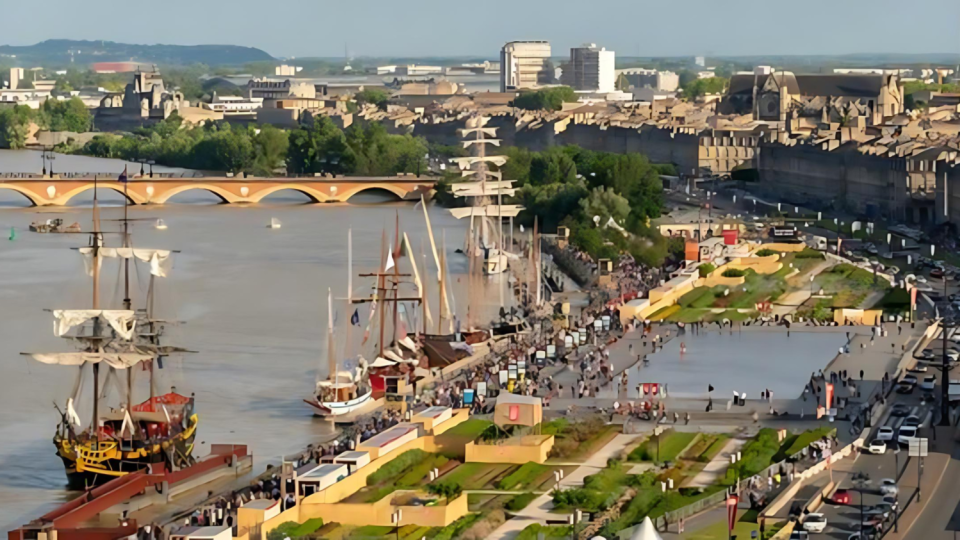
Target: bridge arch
<point x="356" y="190"/>
<point x="31" y="196"/>
<point x="224" y="195"/>
<point x="314" y="195"/>
<point x="131" y="196"/>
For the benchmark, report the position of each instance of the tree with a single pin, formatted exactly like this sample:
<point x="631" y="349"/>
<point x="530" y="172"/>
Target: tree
<point x="270" y="147"/>
<point x="551" y="99"/>
<point x="373" y="96"/>
<point x="605" y="203"/>
<point x="320" y="148"/>
<point x="700" y="87"/>
<point x="15" y="126"/>
<point x="67" y="115"/>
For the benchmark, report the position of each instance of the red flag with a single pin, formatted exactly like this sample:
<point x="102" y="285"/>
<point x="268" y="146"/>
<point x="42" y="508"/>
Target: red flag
<point x="732" y="501"/>
<point x="829" y="396"/>
<point x="646" y="388"/>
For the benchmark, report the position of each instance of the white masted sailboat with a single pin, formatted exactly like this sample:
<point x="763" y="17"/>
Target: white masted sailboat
<point x="349" y="390"/>
<point x="130" y="436"/>
<point x="485" y="240"/>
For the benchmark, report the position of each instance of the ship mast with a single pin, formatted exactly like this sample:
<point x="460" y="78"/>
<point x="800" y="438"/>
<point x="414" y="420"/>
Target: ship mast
<point x="96" y="305"/>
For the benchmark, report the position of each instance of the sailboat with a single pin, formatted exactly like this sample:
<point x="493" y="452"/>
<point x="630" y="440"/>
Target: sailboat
<point x="128" y="437"/>
<point x="481" y="242"/>
<point x="342" y="392"/>
<point x="160" y="225"/>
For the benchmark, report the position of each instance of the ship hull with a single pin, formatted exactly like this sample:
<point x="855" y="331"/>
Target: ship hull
<point x="329" y="409"/>
<point x="83" y="474"/>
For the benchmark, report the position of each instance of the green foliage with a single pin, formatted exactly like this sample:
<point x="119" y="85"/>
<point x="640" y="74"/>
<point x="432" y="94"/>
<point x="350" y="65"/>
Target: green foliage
<point x="605" y="203"/>
<point x="706" y="269"/>
<point x="397" y="466"/>
<point x="14" y="126"/>
<point x="322" y="147"/>
<point x="419" y="471"/>
<point x="701" y="87"/>
<point x="756" y="455"/>
<point x="734" y="272"/>
<point x="292" y="529"/>
<point x="551" y="99"/>
<point x="456" y="529"/>
<point x="67" y="115"/>
<point x="534" y="530"/>
<point x="519" y="502"/>
<point x="793" y="444"/>
<point x="766" y="252"/>
<point x="373" y="96"/>
<point x="215" y="147"/>
<point x="446" y="489"/>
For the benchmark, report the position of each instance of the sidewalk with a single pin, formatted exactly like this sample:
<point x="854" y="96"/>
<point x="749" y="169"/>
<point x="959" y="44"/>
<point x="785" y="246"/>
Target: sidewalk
<point x="717" y="466"/>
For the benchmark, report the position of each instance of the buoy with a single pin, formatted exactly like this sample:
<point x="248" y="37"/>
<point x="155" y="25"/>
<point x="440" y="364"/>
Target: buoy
<point x="683" y="348"/>
<point x="13" y="234"/>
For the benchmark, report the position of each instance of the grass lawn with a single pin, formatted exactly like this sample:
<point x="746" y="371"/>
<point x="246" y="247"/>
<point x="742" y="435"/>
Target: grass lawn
<point x="523" y="476"/>
<point x="665" y="312"/>
<point x="794" y="443"/>
<point x="519" y="502"/>
<point x="371" y="531"/>
<point x="718" y="530"/>
<point x="671" y="444"/>
<point x="849" y="284"/>
<point x="589" y="446"/>
<point x="478" y="475"/>
<point x="472" y="428"/>
<point x="755" y="288"/>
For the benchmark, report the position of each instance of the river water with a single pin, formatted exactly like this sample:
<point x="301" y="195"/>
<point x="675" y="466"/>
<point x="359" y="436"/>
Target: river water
<point x="252" y="301"/>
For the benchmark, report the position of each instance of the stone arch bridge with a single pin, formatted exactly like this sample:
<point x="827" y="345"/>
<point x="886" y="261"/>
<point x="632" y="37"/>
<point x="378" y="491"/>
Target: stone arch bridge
<point x="58" y="190"/>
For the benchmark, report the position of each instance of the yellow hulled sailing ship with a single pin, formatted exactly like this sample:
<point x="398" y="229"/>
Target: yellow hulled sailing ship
<point x="113" y="345"/>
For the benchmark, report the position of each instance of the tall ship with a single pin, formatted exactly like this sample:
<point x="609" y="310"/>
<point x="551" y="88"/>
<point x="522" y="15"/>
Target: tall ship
<point x="124" y="434"/>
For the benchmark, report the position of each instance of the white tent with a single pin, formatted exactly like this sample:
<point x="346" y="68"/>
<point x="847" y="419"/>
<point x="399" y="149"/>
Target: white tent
<point x="645" y="531"/>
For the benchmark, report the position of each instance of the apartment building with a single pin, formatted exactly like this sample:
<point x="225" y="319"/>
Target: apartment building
<point x="590" y="69"/>
<point x="525" y="64"/>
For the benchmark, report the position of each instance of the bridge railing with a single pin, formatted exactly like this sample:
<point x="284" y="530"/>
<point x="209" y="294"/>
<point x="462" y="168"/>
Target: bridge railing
<point x="106" y="176"/>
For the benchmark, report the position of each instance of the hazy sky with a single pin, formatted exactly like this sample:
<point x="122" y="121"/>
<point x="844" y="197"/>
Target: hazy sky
<point x="458" y="28"/>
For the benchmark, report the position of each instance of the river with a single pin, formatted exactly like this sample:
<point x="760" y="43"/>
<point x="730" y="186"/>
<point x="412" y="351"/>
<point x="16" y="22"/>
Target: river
<point x="252" y="301"/>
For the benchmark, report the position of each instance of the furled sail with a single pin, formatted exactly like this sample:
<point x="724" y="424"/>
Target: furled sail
<point x="467" y="162"/>
<point x="114" y="360"/>
<point x="160" y="260"/>
<point x="492" y="210"/>
<point x="123" y="321"/>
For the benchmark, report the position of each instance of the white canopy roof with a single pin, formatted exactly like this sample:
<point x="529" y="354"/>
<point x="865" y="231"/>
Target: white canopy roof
<point x="645" y="531"/>
<point x="492" y="210"/>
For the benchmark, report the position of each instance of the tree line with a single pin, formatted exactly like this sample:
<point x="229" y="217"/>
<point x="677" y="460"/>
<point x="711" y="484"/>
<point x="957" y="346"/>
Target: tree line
<point x="317" y="147"/>
<point x="54" y="115"/>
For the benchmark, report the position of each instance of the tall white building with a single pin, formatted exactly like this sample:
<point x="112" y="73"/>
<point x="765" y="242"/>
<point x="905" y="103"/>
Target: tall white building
<point x="590" y="69"/>
<point x="525" y="64"/>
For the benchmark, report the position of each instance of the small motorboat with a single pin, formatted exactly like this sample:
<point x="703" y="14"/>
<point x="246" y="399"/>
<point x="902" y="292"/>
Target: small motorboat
<point x="274" y="223"/>
<point x="54" y="226"/>
<point x="160" y="225"/>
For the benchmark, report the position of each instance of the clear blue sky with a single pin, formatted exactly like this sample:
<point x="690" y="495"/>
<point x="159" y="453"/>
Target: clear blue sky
<point x="458" y="28"/>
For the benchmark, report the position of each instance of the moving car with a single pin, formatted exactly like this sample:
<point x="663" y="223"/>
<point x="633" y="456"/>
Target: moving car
<point x="885" y="433"/>
<point x="929" y="383"/>
<point x="911" y="421"/>
<point x="899" y="409"/>
<point x="877" y="447"/>
<point x="904" y="388"/>
<point x="841" y="496"/>
<point x="936" y="273"/>
<point x="909" y="379"/>
<point x="906" y="434"/>
<point x="888" y="486"/>
<point x="815" y="523"/>
<point x="882" y="510"/>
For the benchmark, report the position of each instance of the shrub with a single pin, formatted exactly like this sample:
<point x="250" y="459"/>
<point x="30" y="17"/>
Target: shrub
<point x="734" y="272"/>
<point x="766" y="252"/>
<point x="706" y="268"/>
<point x="447" y="490"/>
<point x="808" y="253"/>
<point x="284" y="530"/>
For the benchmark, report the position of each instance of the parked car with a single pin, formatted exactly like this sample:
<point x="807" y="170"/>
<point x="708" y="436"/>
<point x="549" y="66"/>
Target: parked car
<point x="815" y="523"/>
<point x="888" y="486"/>
<point x="909" y="379"/>
<point x="904" y="388"/>
<point x="877" y="447"/>
<point x="906" y="434"/>
<point x="919" y="368"/>
<point x="911" y="421"/>
<point x="797" y="534"/>
<point x="889" y="499"/>
<point x="841" y="496"/>
<point x="926" y="354"/>
<point x="929" y="383"/>
<point x="885" y="433"/>
<point x="936" y="273"/>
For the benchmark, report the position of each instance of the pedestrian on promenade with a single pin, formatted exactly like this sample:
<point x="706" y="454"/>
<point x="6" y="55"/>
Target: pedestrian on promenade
<point x="686" y="419"/>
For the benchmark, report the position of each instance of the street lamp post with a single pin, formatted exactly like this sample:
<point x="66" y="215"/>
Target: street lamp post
<point x="948" y="324"/>
<point x="151" y="162"/>
<point x="861" y="480"/>
<point x="396" y="517"/>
